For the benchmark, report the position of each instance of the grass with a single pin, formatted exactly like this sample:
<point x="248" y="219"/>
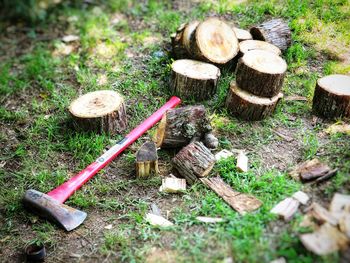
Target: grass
<point x="40" y="148"/>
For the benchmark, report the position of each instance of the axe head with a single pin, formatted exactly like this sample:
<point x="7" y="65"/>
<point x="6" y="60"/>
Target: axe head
<point x="48" y="207"/>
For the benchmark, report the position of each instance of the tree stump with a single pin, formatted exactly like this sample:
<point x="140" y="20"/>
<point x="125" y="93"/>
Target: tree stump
<point x="274" y="31"/>
<point x="242" y="34"/>
<point x="147" y="160"/>
<point x="193" y="161"/>
<point x="261" y="73"/>
<point x="178" y="126"/>
<point x="99" y="111"/>
<point x="332" y="96"/>
<point x="249" y="45"/>
<point x="247" y="106"/>
<point x="194" y="79"/>
<point x="214" y="41"/>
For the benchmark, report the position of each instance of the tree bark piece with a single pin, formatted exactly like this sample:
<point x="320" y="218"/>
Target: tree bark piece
<point x="194" y="79"/>
<point x="147" y="160"/>
<point x="247" y="106"/>
<point x="242" y="34"/>
<point x="286" y="208"/>
<point x="240" y="202"/>
<point x="274" y="31"/>
<point x="310" y="170"/>
<point x="99" y="111"/>
<point x="178" y="126"/>
<point x="332" y="96"/>
<point x="261" y="73"/>
<point x="214" y="41"/>
<point x="211" y="141"/>
<point x="193" y="161"/>
<point x="249" y="45"/>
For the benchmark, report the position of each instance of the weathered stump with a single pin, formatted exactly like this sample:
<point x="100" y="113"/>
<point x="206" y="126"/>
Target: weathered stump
<point x="274" y="31"/>
<point x="194" y="79"/>
<point x="247" y="106"/>
<point x="242" y="34"/>
<point x="261" y="73"/>
<point x="193" y="161"/>
<point x="99" y="111"/>
<point x="147" y="160"/>
<point x="250" y="45"/>
<point x="332" y="96"/>
<point x="179" y="126"/>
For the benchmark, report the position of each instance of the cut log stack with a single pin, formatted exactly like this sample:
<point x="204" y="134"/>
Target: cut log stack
<point x="259" y="79"/>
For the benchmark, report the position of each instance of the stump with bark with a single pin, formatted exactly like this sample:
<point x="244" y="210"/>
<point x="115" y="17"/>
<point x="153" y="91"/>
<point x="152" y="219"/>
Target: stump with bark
<point x="147" y="160"/>
<point x="250" y="45"/>
<point x="242" y="34"/>
<point x="194" y="79"/>
<point x="194" y="161"/>
<point x="332" y="96"/>
<point x="99" y="111"/>
<point x="179" y="126"/>
<point x="261" y="73"/>
<point x="274" y="31"/>
<point x="247" y="106"/>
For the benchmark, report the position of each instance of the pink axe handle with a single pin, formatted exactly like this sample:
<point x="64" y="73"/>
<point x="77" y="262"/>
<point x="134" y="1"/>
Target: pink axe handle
<point x="64" y="191"/>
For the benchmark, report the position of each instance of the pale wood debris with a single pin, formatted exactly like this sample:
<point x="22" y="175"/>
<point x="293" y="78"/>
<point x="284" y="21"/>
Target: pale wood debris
<point x="322" y="215"/>
<point x="286" y="208"/>
<point x="302" y="197"/>
<point x="205" y="219"/>
<point x="223" y="154"/>
<point x="173" y="185"/>
<point x="156" y="220"/>
<point x="340" y="205"/>
<point x="242" y="162"/>
<point x="279" y="260"/>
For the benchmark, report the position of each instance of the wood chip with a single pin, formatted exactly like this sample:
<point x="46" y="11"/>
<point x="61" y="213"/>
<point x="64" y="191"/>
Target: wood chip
<point x="242" y="162"/>
<point x="322" y="215"/>
<point x="109" y="227"/>
<point x="70" y="38"/>
<point x="327" y="239"/>
<point x="301" y="197"/>
<point x="173" y="185"/>
<point x="224" y="154"/>
<point x="310" y="170"/>
<point x="286" y="208"/>
<point x="340" y="205"/>
<point x="242" y="203"/>
<point x="156" y="220"/>
<point x="209" y="219"/>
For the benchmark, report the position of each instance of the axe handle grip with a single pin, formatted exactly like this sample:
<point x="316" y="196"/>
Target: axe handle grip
<point x="64" y="191"/>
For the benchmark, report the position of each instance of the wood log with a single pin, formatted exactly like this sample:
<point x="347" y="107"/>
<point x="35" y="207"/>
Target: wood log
<point x="214" y="41"/>
<point x="247" y="106"/>
<point x="192" y="79"/>
<point x="99" y="111"/>
<point x="178" y="126"/>
<point x="332" y="96"/>
<point x="274" y="31"/>
<point x="188" y="32"/>
<point x="242" y="34"/>
<point x="147" y="160"/>
<point x="261" y="73"/>
<point x="249" y="45"/>
<point x="193" y="161"/>
<point x="178" y="49"/>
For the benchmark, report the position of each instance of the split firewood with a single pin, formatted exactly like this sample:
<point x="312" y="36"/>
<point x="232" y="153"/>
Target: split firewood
<point x="275" y="31"/>
<point x="242" y="203"/>
<point x="173" y="185"/>
<point x="194" y="79"/>
<point x="311" y="170"/>
<point x="340" y="205"/>
<point x="156" y="220"/>
<point x="214" y="41"/>
<point x="247" y="106"/>
<point x="327" y="239"/>
<point x="242" y="34"/>
<point x="286" y="208"/>
<point x="250" y="45"/>
<point x="205" y="219"/>
<point x="332" y="96"/>
<point x="193" y="161"/>
<point x="301" y="197"/>
<point x="242" y="162"/>
<point x="223" y="154"/>
<point x="261" y="73"/>
<point x="178" y="126"/>
<point x="147" y="160"/>
<point x="99" y="111"/>
<point x="322" y="215"/>
<point x="210" y="141"/>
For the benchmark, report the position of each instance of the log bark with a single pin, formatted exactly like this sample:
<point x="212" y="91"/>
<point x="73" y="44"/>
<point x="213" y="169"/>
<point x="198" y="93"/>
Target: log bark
<point x="332" y="96"/>
<point x="261" y="73"/>
<point x="274" y="31"/>
<point x="242" y="34"/>
<point x="247" y="106"/>
<point x="214" y="41"/>
<point x="147" y="160"/>
<point x="179" y="126"/>
<point x="194" y="161"/>
<point x="249" y="45"/>
<point x="192" y="79"/>
<point x="178" y="49"/>
<point x="99" y="111"/>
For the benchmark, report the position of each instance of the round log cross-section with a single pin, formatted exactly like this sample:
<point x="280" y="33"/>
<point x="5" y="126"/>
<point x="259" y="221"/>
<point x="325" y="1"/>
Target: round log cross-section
<point x="194" y="79"/>
<point x="332" y="96"/>
<point x="250" y="45"/>
<point x="261" y="73"/>
<point x="99" y="111"/>
<point x="247" y="106"/>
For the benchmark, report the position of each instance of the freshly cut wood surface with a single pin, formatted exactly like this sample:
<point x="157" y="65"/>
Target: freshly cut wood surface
<point x="261" y="73"/>
<point x="100" y="111"/>
<point x="249" y="45"/>
<point x="332" y="96"/>
<point x="247" y="106"/>
<point x="147" y="160"/>
<point x="173" y="185"/>
<point x="194" y="79"/>
<point x="275" y="31"/>
<point x="242" y="34"/>
<point x="193" y="161"/>
<point x="214" y="41"/>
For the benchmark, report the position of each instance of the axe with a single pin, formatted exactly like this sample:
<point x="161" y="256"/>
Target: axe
<point x="51" y="205"/>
